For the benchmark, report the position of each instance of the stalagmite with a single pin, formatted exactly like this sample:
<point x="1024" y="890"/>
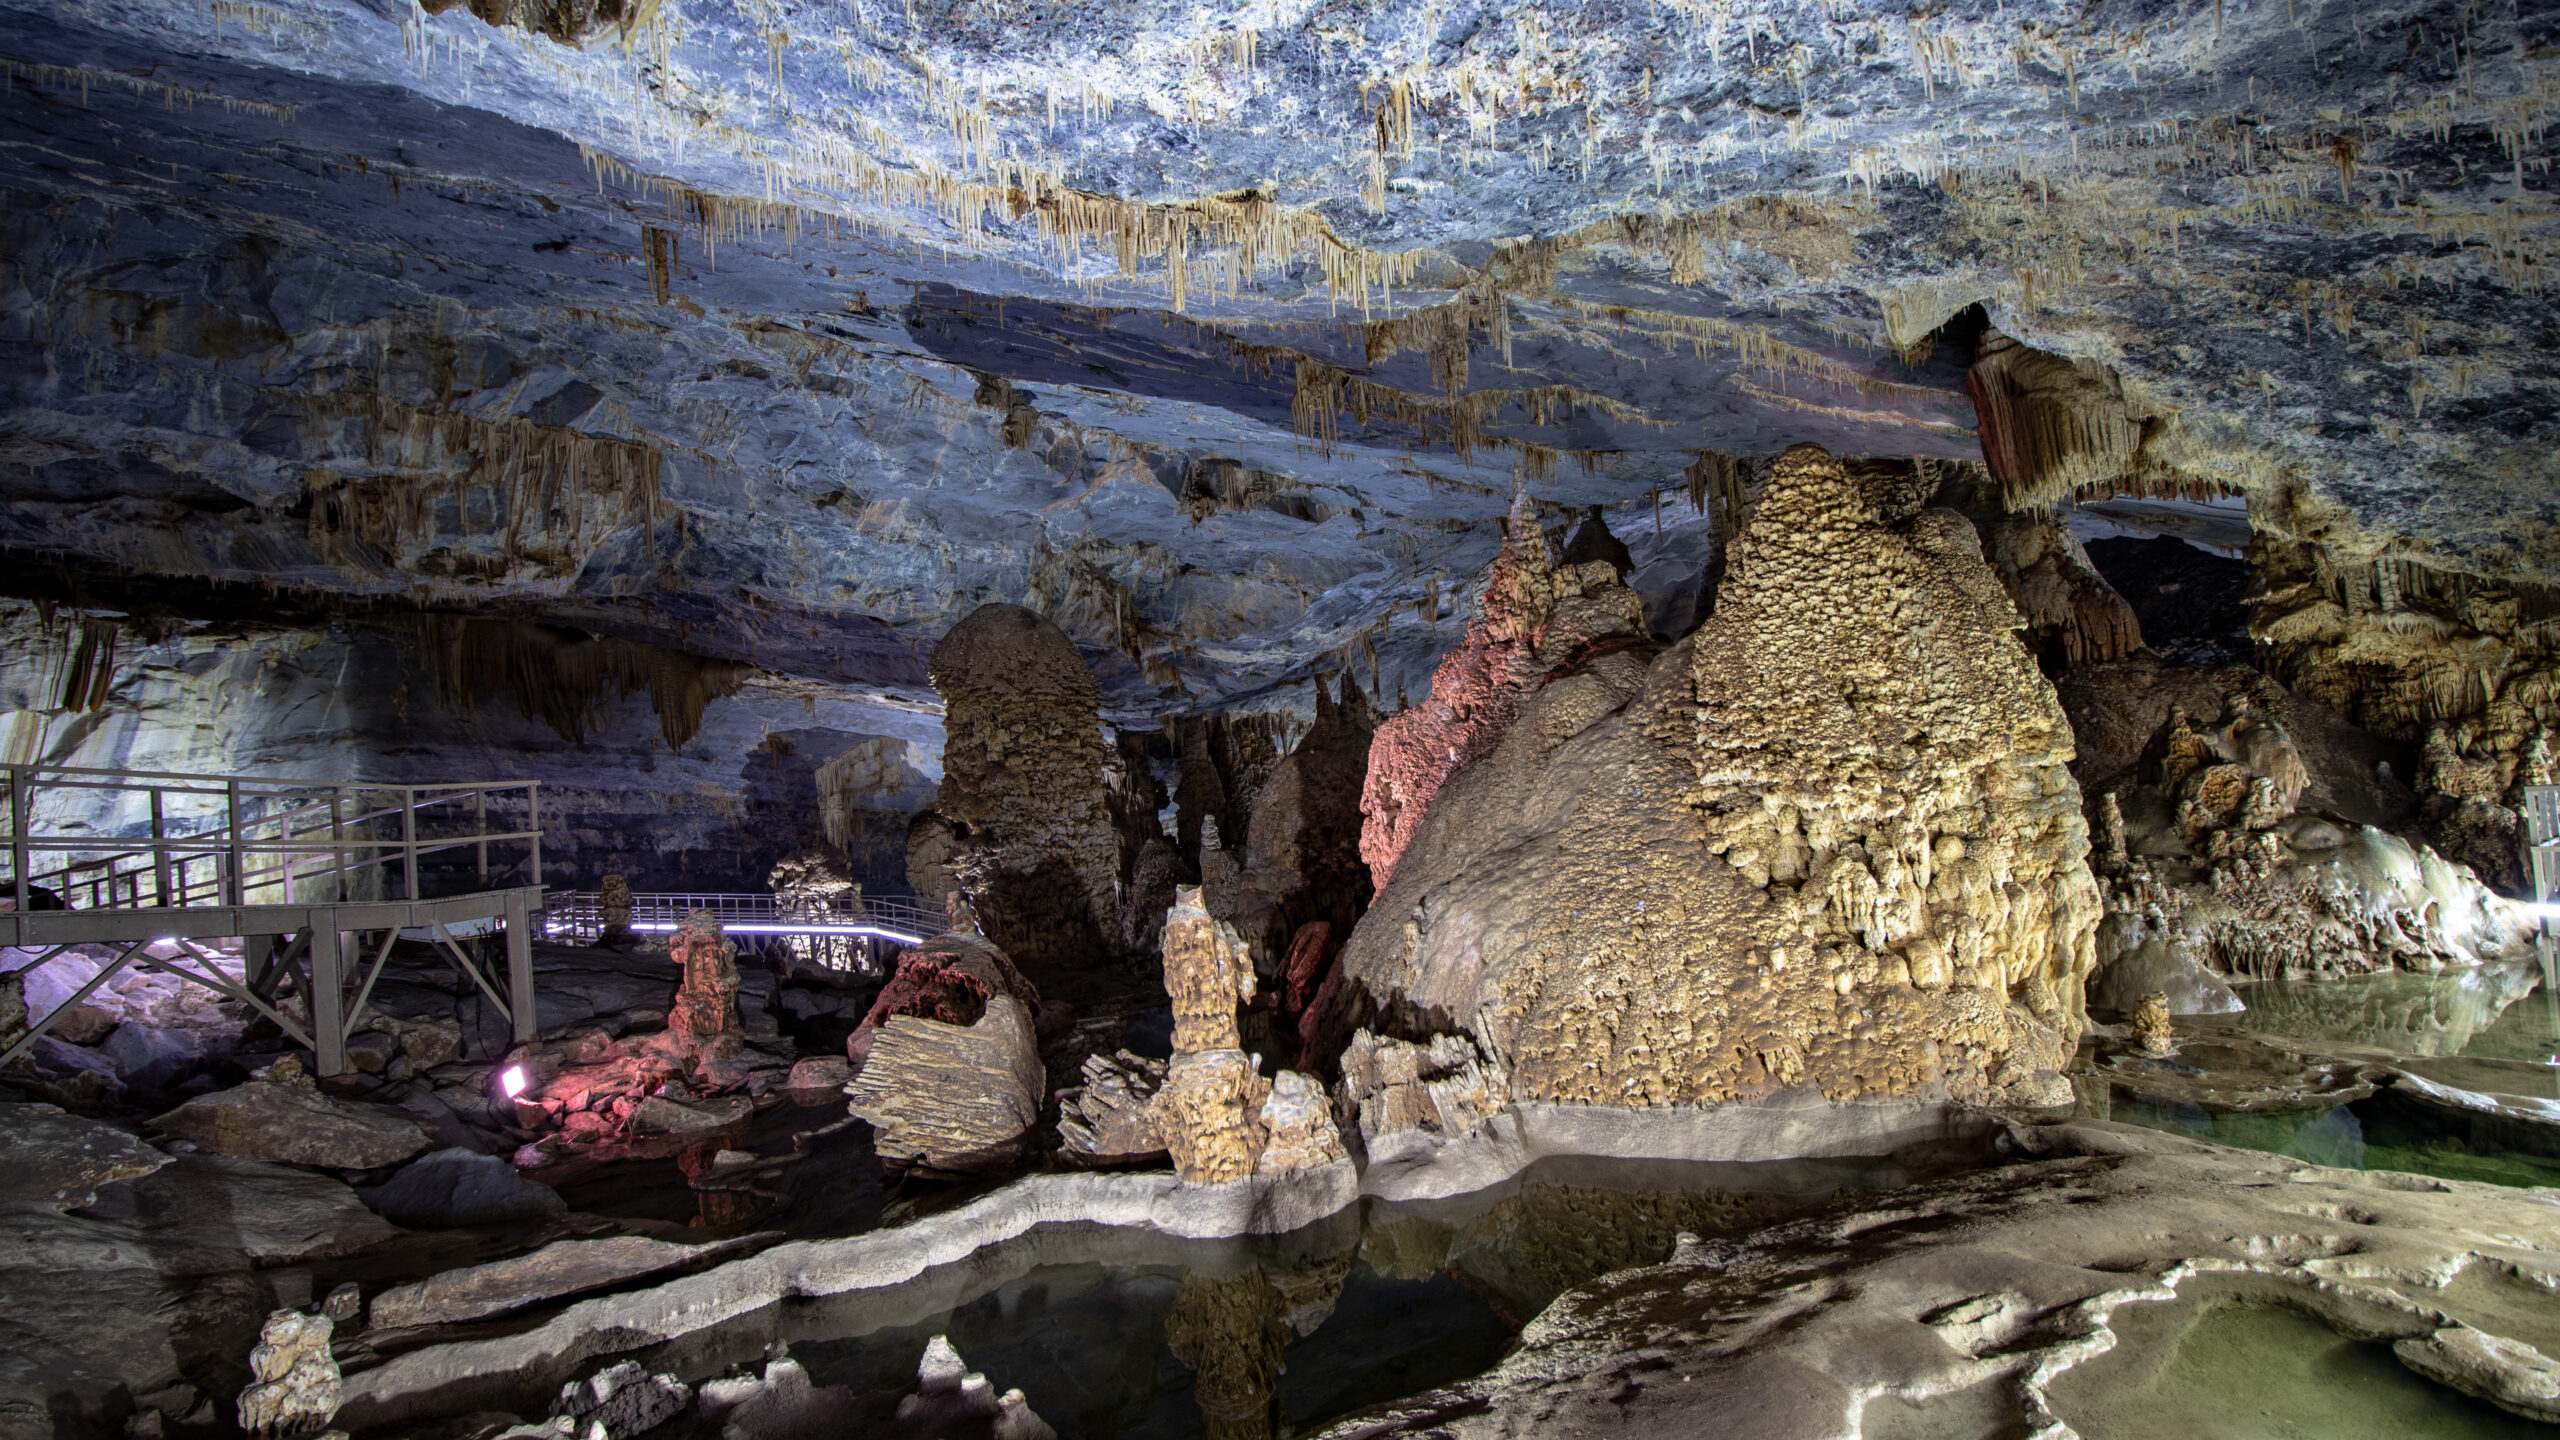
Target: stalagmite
<point x="705" y="1013"/>
<point x="1214" y="1110"/>
<point x="294" y="1386"/>
<point x="1023" y="789"/>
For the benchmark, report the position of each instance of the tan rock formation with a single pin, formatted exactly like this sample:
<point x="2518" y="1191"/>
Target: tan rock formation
<point x="2073" y="615"/>
<point x="2050" y="425"/>
<point x="1401" y="1090"/>
<point x="1828" y="843"/>
<point x="1210" y="1115"/>
<point x="2151" y="1032"/>
<point x="1297" y="1125"/>
<point x="1110" y="1117"/>
<point x="1212" y="1112"/>
<point x="1539" y="620"/>
<point x="613" y="902"/>
<point x="294" y="1385"/>
<point x="1207" y="972"/>
<point x="1024" y="784"/>
<point x="705" y="1013"/>
<point x="953" y="1097"/>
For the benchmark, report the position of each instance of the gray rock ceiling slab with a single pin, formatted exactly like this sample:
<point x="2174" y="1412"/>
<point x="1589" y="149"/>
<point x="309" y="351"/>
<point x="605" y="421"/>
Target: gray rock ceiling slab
<point x="802" y="330"/>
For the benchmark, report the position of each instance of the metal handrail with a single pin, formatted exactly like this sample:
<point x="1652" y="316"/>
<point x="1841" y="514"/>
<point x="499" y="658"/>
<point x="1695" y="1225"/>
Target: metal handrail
<point x="580" y="914"/>
<point x="258" y="852"/>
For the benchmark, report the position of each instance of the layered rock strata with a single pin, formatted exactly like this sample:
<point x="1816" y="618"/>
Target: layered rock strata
<point x="1030" y="836"/>
<point x="1827" y="844"/>
<point x="953" y="1079"/>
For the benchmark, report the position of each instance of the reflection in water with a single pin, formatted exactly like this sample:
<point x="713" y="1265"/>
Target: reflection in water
<point x="1231" y="1333"/>
<point x="2447" y="1014"/>
<point x="1133" y="1335"/>
<point x="2321" y="1070"/>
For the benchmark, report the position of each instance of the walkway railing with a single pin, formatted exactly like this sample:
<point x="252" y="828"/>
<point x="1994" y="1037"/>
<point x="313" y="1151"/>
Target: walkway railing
<point x="577" y="917"/>
<point x="128" y="839"/>
<point x="156" y="865"/>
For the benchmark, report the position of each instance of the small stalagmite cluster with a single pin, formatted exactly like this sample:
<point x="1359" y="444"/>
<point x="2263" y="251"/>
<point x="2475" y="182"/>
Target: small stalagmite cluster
<point x="1021" y="824"/>
<point x="1827" y="843"/>
<point x="1211" y="1106"/>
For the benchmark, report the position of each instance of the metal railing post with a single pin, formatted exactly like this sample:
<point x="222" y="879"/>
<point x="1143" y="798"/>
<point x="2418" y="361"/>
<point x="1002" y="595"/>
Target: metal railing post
<point x="520" y="967"/>
<point x="480" y="827"/>
<point x="328" y="996"/>
<point x="338" y="831"/>
<point x="409" y="839"/>
<point x="159" y="849"/>
<point x="237" y="890"/>
<point x="533" y="822"/>
<point x="18" y="792"/>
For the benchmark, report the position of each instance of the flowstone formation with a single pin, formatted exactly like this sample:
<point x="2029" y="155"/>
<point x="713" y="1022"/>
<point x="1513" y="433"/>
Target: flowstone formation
<point x="1828" y="843"/>
<point x="1539" y="621"/>
<point x="2464" y="670"/>
<point x="2225" y="855"/>
<point x="1023" y="790"/>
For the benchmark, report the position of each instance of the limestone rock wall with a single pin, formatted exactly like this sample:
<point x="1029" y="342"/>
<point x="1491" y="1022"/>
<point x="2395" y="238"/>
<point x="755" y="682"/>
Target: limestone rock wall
<point x="2465" y="670"/>
<point x="1828" y="843"/>
<point x="1029" y="836"/>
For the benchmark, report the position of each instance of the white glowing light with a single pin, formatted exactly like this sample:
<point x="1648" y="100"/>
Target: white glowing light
<point x="511" y="1080"/>
<point x="668" y="927"/>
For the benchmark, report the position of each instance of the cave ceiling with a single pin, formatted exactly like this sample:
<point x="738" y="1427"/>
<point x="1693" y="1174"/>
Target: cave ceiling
<point x="791" y="333"/>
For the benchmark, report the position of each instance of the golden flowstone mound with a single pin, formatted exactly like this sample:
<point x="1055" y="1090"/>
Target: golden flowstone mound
<point x="1826" y="843"/>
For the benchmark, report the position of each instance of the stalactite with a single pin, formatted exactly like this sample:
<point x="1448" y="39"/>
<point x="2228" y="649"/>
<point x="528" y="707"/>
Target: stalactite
<point x="569" y="680"/>
<point x="547" y="495"/>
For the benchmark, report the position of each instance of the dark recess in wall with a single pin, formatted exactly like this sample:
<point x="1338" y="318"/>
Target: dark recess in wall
<point x="2193" y="604"/>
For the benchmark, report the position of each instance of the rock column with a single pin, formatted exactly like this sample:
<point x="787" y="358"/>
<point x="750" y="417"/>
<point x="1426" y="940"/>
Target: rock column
<point x="1024" y="825"/>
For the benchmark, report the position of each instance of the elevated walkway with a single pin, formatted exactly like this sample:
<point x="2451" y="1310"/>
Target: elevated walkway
<point x="311" y="876"/>
<point x="859" y="934"/>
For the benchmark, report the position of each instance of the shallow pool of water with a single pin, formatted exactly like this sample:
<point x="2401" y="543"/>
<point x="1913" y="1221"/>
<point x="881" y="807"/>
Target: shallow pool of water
<point x="2236" y="1370"/>
<point x="1116" y="1334"/>
<point x="2487" y="1031"/>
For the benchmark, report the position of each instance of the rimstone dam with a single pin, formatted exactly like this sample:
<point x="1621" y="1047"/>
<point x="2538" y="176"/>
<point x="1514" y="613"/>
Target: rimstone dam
<point x="1367" y="719"/>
